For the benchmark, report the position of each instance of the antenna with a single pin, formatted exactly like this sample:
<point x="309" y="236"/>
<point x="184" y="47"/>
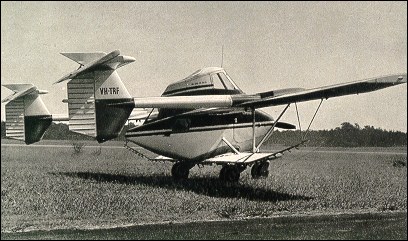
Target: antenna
<point x="222" y="55"/>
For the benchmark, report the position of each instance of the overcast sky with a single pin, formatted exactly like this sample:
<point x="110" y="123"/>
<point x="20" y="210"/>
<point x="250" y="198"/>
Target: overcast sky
<point x="267" y="46"/>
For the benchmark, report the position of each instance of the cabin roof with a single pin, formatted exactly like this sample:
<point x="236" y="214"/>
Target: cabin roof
<point x="203" y="71"/>
<point x="209" y="78"/>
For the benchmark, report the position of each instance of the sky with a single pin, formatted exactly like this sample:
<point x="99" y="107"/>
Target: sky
<point x="267" y="46"/>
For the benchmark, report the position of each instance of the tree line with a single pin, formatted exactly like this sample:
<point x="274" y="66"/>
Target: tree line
<point x="61" y="131"/>
<point x="347" y="135"/>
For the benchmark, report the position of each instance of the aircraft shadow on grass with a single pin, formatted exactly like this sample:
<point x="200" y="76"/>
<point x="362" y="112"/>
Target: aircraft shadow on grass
<point x="212" y="187"/>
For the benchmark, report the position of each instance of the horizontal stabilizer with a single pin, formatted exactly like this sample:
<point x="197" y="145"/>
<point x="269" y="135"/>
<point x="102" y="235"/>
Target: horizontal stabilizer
<point x="20" y="90"/>
<point x="84" y="58"/>
<point x="18" y="87"/>
<point x="110" y="61"/>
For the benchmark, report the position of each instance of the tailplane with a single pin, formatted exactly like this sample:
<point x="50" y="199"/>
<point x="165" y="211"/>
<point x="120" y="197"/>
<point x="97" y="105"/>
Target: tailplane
<point x="27" y="118"/>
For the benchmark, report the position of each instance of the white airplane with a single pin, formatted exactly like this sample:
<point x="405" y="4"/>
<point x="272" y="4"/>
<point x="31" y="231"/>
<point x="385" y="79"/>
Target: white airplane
<point x="203" y="119"/>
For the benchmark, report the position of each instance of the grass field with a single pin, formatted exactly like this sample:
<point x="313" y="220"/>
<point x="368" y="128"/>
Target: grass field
<point x="368" y="226"/>
<point x="50" y="188"/>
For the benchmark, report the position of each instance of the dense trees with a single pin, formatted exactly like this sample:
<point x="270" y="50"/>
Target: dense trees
<point x="347" y="135"/>
<point x="61" y="132"/>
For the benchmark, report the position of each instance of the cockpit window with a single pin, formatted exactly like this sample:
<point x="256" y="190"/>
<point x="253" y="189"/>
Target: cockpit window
<point x="218" y="84"/>
<point x="221" y="81"/>
<point x="227" y="83"/>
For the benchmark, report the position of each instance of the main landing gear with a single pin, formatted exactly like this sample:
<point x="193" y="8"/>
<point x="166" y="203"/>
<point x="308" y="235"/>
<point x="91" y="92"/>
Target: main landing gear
<point x="180" y="171"/>
<point x="231" y="173"/>
<point x="260" y="169"/>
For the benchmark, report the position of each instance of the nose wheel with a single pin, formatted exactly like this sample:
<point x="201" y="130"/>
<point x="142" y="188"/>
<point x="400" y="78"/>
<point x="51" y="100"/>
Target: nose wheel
<point x="260" y="169"/>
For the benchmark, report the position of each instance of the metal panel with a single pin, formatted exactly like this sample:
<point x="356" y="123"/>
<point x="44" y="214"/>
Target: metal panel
<point x="15" y="119"/>
<point x="81" y="107"/>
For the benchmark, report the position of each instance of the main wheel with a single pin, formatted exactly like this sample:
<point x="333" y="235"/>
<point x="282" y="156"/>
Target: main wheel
<point x="230" y="173"/>
<point x="264" y="171"/>
<point x="260" y="170"/>
<point x="180" y="171"/>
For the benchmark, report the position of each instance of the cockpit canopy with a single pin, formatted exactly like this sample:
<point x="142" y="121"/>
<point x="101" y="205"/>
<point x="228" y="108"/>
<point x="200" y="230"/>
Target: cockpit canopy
<point x="210" y="80"/>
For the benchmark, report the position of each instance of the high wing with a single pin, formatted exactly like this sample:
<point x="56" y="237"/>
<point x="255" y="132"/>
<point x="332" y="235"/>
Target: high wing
<point x="270" y="98"/>
<point x="355" y="87"/>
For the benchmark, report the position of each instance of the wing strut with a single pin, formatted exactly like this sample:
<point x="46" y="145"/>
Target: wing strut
<point x="149" y="115"/>
<point x="270" y="131"/>
<point x="298" y="117"/>
<point x="230" y="145"/>
<point x="253" y="130"/>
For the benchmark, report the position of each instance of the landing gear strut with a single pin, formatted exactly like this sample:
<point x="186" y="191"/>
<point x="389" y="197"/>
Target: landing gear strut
<point x="180" y="171"/>
<point x="260" y="169"/>
<point x="230" y="173"/>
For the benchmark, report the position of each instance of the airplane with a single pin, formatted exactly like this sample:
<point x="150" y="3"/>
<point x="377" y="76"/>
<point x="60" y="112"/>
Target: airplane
<point x="204" y="119"/>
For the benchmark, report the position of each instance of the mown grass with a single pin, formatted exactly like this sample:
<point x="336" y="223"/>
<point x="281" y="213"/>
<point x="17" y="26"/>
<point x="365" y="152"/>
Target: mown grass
<point x="48" y="188"/>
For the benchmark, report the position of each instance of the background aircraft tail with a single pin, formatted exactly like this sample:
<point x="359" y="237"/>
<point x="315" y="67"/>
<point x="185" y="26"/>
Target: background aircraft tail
<point x="98" y="102"/>
<point x="27" y="118"/>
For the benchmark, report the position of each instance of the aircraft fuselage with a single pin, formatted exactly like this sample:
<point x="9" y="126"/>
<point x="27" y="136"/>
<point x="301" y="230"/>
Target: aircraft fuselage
<point x="198" y="137"/>
<point x="197" y="134"/>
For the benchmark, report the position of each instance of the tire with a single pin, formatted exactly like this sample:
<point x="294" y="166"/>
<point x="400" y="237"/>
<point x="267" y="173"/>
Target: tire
<point x="230" y="173"/>
<point x="255" y="173"/>
<point x="264" y="169"/>
<point x="259" y="170"/>
<point x="222" y="173"/>
<point x="179" y="171"/>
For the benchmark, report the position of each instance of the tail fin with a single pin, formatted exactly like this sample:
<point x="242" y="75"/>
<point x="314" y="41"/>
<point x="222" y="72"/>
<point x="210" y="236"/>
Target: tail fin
<point x="93" y="90"/>
<point x="27" y="118"/>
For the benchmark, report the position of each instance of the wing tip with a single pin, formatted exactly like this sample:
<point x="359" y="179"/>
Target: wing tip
<point x="402" y="78"/>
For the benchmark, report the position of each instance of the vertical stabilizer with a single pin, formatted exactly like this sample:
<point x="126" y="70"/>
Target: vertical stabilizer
<point x="92" y="91"/>
<point x="27" y="118"/>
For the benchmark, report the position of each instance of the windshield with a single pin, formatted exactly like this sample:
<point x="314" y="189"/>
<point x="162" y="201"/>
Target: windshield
<point x="222" y="81"/>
